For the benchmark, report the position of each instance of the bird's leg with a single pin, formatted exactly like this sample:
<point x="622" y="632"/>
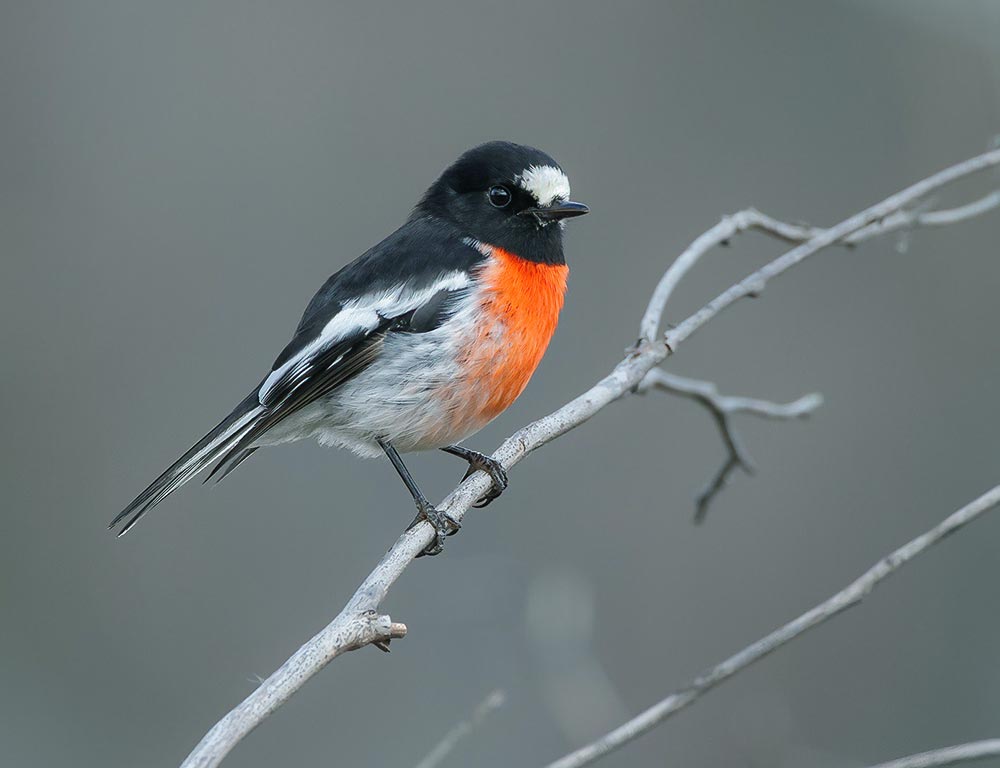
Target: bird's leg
<point x="480" y="462"/>
<point x="443" y="524"/>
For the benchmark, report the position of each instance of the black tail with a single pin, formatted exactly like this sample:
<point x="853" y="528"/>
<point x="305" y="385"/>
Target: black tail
<point x="213" y="446"/>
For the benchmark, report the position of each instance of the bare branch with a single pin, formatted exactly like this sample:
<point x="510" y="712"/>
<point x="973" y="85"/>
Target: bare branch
<point x="913" y="219"/>
<point x="722" y="408"/>
<point x="436" y="756"/>
<point x="752" y="219"/>
<point x="960" y="753"/>
<point x="708" y="395"/>
<point x="715" y="485"/>
<point x="722" y="232"/>
<point x="350" y="630"/>
<point x="851" y="595"/>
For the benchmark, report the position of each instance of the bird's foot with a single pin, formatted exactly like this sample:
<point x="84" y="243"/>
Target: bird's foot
<point x="444" y="525"/>
<point x="480" y="462"/>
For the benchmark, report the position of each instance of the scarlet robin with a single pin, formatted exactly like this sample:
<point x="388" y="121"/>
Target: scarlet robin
<point x="421" y="341"/>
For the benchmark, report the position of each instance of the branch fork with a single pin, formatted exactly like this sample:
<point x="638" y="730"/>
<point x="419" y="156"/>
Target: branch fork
<point x="723" y="408"/>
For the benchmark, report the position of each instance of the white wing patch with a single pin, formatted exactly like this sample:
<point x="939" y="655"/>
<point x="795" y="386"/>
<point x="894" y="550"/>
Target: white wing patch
<point x="545" y="183"/>
<point x="479" y="245"/>
<point x="358" y="316"/>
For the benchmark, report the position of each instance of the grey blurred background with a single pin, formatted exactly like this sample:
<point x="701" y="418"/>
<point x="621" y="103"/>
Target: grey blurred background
<point x="177" y="178"/>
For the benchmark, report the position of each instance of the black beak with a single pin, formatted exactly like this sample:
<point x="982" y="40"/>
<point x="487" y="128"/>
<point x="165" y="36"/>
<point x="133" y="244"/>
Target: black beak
<point x="557" y="211"/>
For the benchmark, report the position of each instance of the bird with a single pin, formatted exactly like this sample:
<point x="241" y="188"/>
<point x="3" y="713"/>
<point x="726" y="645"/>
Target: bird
<point x="422" y="340"/>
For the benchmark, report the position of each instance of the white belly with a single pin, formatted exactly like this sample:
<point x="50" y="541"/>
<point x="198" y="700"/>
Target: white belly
<point x="413" y="395"/>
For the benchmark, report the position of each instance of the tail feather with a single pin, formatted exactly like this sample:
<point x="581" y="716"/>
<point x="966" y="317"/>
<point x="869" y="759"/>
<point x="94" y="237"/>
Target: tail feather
<point x="233" y="458"/>
<point x="213" y="446"/>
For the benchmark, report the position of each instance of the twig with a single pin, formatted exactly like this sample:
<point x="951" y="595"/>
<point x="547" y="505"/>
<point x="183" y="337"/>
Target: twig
<point x="851" y="595"/>
<point x="960" y="753"/>
<point x="755" y="283"/>
<point x="752" y="219"/>
<point x="436" y="756"/>
<point x="940" y="218"/>
<point x="722" y="408"/>
<point x="721" y="233"/>
<point x="335" y="639"/>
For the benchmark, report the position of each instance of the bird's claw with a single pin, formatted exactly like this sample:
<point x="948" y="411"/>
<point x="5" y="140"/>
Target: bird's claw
<point x="444" y="525"/>
<point x="480" y="462"/>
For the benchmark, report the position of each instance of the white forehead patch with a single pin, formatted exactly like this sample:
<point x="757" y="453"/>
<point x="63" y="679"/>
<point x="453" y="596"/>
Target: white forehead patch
<point x="545" y="183"/>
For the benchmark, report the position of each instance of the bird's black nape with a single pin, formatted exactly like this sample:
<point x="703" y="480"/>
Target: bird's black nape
<point x="461" y="197"/>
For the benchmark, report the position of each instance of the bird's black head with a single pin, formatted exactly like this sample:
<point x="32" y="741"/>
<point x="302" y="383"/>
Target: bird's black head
<point x="507" y="195"/>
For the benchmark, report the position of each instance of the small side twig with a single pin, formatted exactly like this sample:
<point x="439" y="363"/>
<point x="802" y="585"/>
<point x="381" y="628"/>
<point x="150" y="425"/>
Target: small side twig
<point x="722" y="408"/>
<point x="960" y="753"/>
<point x="849" y="596"/>
<point x="436" y="756"/>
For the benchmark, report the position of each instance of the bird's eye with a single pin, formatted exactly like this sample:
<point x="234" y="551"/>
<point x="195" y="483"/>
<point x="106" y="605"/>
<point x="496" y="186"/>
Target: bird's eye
<point x="499" y="196"/>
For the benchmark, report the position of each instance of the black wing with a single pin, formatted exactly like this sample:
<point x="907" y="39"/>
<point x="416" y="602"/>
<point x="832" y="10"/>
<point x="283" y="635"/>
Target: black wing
<point x="416" y="255"/>
<point x="321" y="374"/>
<point x="422" y="264"/>
<point x="407" y="283"/>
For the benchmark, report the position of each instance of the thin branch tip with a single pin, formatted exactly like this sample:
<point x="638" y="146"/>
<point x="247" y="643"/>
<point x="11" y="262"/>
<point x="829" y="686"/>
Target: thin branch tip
<point x="839" y="602"/>
<point x="960" y="753"/>
<point x="493" y="701"/>
<point x="807" y="405"/>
